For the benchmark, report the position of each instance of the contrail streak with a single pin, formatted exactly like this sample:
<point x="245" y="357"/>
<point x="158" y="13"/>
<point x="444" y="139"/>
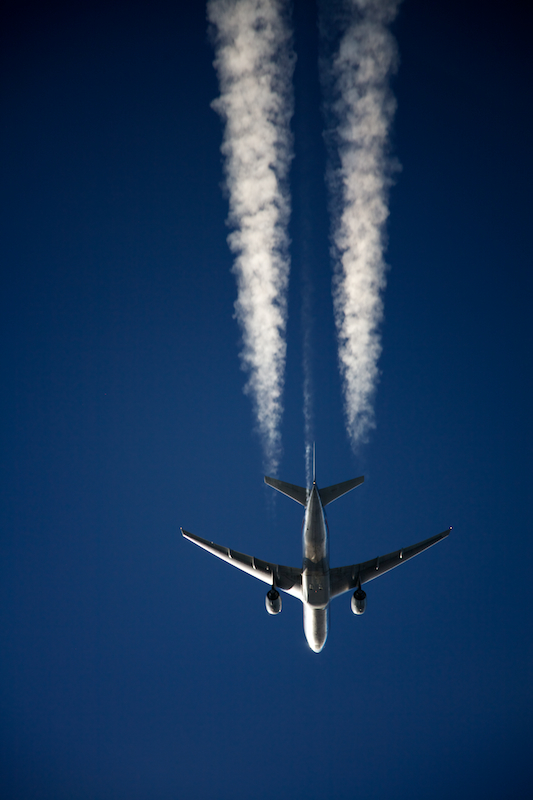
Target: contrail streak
<point x="307" y="313"/>
<point x="254" y="61"/>
<point x="362" y="107"/>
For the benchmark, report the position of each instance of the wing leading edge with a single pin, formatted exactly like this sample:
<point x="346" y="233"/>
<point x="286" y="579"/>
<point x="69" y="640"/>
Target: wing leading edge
<point x="343" y="579"/>
<point x="289" y="579"/>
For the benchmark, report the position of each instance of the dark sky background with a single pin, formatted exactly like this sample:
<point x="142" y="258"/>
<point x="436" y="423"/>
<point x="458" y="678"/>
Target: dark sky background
<point x="133" y="664"/>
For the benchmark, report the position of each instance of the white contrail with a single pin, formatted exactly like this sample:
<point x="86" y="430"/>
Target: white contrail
<point x="254" y="60"/>
<point x="307" y="381"/>
<point x="362" y="109"/>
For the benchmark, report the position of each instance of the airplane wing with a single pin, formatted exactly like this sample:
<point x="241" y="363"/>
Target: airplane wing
<point x="343" y="579"/>
<point x="289" y="579"/>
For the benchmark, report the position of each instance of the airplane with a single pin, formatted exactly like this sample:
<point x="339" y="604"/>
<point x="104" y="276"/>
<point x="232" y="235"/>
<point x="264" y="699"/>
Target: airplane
<point x="315" y="584"/>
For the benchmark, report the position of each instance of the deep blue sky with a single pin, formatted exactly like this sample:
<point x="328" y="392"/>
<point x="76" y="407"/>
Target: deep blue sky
<point x="136" y="666"/>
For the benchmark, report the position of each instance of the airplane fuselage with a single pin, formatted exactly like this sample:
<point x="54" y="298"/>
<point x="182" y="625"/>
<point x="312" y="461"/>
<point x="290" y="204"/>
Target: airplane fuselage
<point x="315" y="573"/>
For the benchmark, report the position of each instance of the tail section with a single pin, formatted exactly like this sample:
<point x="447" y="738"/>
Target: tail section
<point x="327" y="495"/>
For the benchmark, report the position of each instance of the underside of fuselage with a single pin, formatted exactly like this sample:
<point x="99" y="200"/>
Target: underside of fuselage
<point x="315" y="573"/>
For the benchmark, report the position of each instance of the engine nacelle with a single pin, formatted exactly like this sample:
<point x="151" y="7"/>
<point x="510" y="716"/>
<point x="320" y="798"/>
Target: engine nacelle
<point x="359" y="602"/>
<point x="273" y="602"/>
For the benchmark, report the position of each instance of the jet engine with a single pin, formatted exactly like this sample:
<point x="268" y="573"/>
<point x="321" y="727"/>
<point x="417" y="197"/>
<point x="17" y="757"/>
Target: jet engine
<point x="359" y="601"/>
<point x="273" y="601"/>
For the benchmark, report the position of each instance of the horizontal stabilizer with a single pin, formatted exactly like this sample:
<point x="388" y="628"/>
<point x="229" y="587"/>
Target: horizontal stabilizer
<point x="297" y="493"/>
<point x="331" y="493"/>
